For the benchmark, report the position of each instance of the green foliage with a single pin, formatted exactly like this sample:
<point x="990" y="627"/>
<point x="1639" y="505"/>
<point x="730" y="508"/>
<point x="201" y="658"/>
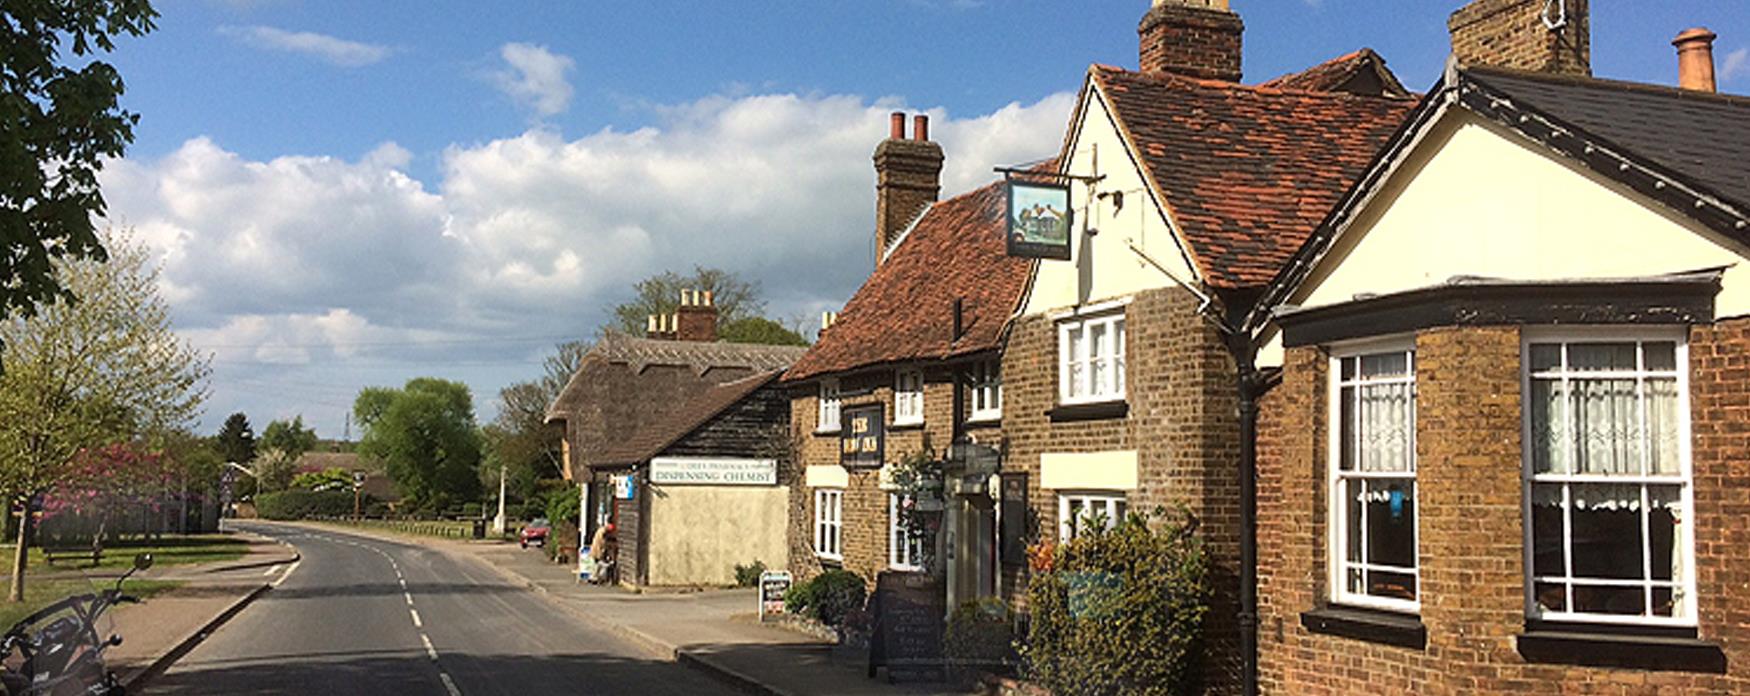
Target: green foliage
<point x="1120" y="612"/>
<point x="472" y="511"/>
<point x="61" y="121"/>
<point x="300" y="504"/>
<point x="290" y="438"/>
<point x="331" y="479"/>
<point x="749" y="575"/>
<point x="562" y="535"/>
<point x="980" y="633"/>
<point x="236" y="440"/>
<point x="735" y="298"/>
<point x="759" y="330"/>
<point x="520" y="441"/>
<point x="424" y="436"/>
<point x="827" y="597"/>
<point x="918" y="476"/>
<point x="564" y="505"/>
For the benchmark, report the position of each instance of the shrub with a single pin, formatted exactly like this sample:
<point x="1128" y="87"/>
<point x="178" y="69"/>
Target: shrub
<point x="297" y="504"/>
<point x="1120" y="612"/>
<point x="562" y="535"/>
<point x="749" y="575"/>
<point x="563" y="505"/>
<point x="828" y="597"/>
<point x="799" y="598"/>
<point x="471" y="511"/>
<point x="980" y="634"/>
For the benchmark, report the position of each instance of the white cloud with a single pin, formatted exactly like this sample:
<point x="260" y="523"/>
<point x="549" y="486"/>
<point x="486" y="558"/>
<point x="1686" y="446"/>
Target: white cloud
<point x="1736" y="64"/>
<point x="337" y="51"/>
<point x="536" y="78"/>
<point x="293" y="262"/>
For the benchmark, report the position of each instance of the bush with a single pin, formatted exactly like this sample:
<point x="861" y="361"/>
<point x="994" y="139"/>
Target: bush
<point x="563" y="505"/>
<point x="563" y="534"/>
<point x="980" y="634"/>
<point x="297" y="505"/>
<point x="471" y="511"/>
<point x="828" y="597"/>
<point x="1120" y="612"/>
<point x="749" y="575"/>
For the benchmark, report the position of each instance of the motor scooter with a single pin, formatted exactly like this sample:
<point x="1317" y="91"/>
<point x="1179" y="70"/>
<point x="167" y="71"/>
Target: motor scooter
<point x="57" y="651"/>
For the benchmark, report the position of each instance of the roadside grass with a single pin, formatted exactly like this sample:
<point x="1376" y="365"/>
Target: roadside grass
<point x="168" y="550"/>
<point x="39" y="593"/>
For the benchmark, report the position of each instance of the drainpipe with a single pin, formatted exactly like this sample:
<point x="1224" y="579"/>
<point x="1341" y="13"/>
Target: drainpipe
<point x="1249" y="384"/>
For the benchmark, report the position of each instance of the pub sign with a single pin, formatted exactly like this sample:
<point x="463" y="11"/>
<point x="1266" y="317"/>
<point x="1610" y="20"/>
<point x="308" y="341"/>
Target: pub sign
<point x="862" y="435"/>
<point x="1039" y="220"/>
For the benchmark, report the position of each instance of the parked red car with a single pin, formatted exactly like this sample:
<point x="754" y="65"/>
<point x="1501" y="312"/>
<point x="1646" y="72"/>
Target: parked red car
<point x="535" y="532"/>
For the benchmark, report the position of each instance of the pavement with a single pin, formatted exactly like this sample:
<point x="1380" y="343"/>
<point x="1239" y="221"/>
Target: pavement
<point x="714" y="631"/>
<point x="370" y="614"/>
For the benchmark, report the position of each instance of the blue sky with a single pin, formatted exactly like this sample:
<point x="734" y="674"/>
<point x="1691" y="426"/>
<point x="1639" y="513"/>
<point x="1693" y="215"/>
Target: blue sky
<point x="357" y="193"/>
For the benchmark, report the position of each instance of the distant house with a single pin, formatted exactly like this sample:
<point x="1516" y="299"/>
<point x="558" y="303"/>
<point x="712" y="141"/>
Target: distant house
<point x="377" y="484"/>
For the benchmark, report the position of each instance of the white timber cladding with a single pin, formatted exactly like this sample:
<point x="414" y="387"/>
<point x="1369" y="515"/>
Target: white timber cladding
<point x="908" y="397"/>
<point x="1088" y="471"/>
<point x="1103" y="266"/>
<point x="1473" y="198"/>
<point x="829" y="524"/>
<point x="827" y="420"/>
<point x="1608" y="479"/>
<point x="1372" y="476"/>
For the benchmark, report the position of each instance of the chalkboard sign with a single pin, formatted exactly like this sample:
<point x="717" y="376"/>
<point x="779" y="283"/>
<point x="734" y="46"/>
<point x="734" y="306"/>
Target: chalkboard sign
<point x="910" y="625"/>
<point x="773" y="585"/>
<point x="1014" y="516"/>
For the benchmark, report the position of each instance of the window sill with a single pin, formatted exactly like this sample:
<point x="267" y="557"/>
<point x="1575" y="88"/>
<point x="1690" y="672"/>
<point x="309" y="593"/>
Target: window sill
<point x="985" y="419"/>
<point x="834" y="431"/>
<point x="830" y="561"/>
<point x="1614" y="646"/>
<point x="905" y="425"/>
<point x="1371" y="625"/>
<point x="1104" y="410"/>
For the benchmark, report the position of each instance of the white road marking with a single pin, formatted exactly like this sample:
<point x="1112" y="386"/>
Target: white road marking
<point x="403" y="582"/>
<point x="282" y="578"/>
<point x="271" y="571"/>
<point x="408" y="597"/>
<point x="449" y="685"/>
<point x="416" y="622"/>
<point x="430" y="651"/>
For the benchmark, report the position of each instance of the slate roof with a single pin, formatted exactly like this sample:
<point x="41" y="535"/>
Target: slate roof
<point x="651" y="440"/>
<point x="640" y="353"/>
<point x="905" y="310"/>
<point x="1701" y="137"/>
<point x="1352" y="72"/>
<point x="1248" y="172"/>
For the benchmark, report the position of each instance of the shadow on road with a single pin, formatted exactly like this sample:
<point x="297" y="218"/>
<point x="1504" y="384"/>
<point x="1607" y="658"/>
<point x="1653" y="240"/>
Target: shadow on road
<point x="413" y="673"/>
<point x="387" y="589"/>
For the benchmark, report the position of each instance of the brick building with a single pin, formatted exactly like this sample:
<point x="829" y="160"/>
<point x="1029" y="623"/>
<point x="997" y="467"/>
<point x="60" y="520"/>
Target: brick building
<point x="1507" y="451"/>
<point x="627" y="388"/>
<point x="910" y="369"/>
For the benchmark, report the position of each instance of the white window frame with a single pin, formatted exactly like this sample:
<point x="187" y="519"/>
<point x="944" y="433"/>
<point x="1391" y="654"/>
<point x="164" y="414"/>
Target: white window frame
<point x="831" y="405"/>
<point x="1685" y="479"/>
<point x="829" y="523"/>
<point x="987" y="391"/>
<point x="1114" y="362"/>
<point x="908" y="397"/>
<point x="903" y="551"/>
<point x="1109" y="501"/>
<point x="1337" y="561"/>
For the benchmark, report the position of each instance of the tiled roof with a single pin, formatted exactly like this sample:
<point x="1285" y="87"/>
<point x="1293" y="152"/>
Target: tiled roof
<point x="639" y="353"/>
<point x="1346" y="73"/>
<point x="652" y="439"/>
<point x="1248" y="172"/>
<point x="1702" y="137"/>
<point x="905" y="310"/>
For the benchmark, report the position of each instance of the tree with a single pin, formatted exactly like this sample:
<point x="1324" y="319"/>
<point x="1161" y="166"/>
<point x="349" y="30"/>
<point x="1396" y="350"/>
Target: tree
<point x="332" y="478"/>
<point x="277" y="453"/>
<point x="519" y="440"/>
<point x="759" y="330"/>
<point x="661" y="294"/>
<point x="60" y="121"/>
<point x="84" y="374"/>
<point x="114" y="479"/>
<point x="236" y="440"/>
<point x="424" y="436"/>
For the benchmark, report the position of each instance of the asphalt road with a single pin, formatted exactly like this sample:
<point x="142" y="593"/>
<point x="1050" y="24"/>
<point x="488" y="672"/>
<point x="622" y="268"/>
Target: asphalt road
<point x="365" y="616"/>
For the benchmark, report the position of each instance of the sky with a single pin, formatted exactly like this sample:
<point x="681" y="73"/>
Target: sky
<point x="351" y="194"/>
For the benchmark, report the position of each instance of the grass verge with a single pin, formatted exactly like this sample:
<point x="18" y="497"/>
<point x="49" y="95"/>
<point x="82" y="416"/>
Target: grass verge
<point x="41" y="593"/>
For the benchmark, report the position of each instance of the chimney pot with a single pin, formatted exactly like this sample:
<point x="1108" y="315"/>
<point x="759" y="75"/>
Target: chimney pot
<point x="920" y="128"/>
<point x="896" y="126"/>
<point x="1695" y="59"/>
<point x="709" y="301"/>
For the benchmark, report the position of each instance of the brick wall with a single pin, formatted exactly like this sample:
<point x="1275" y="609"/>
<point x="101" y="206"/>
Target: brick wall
<point x="1512" y="34"/>
<point x="1196" y="41"/>
<point x="908" y="178"/>
<point x="1471" y="533"/>
<point x="1183" y="424"/>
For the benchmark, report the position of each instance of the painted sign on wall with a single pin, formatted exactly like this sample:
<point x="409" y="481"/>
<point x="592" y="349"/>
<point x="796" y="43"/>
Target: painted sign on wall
<point x="714" y="471"/>
<point x="1039" y="220"/>
<point x="861" y="434"/>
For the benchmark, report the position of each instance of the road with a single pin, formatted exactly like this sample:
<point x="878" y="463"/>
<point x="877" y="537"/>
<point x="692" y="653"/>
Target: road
<point x="364" y="616"/>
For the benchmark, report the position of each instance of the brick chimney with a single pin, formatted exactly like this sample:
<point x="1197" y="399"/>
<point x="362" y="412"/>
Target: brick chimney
<point x="908" y="178"/>
<point x="1196" y="38"/>
<point x="1553" y="36"/>
<point x="1695" y="59"/>
<point x="696" y="320"/>
<point x="660" y="327"/>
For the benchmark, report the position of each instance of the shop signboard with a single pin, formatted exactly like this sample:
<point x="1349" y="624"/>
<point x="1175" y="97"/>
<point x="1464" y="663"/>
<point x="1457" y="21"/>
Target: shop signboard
<point x="773" y="585"/>
<point x="910" y="623"/>
<point x="862" y="432"/>
<point x="1039" y="220"/>
<point x="714" y="471"/>
<point x="625" y="487"/>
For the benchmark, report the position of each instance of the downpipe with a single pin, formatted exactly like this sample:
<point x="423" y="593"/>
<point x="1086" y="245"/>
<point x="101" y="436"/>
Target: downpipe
<point x="1249" y="383"/>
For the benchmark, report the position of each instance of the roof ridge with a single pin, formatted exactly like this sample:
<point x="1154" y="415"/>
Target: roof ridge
<point x="1592" y="81"/>
<point x="1261" y="89"/>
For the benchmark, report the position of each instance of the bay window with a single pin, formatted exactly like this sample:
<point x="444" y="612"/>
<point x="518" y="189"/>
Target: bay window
<point x="828" y="417"/>
<point x="1373" y="480"/>
<point x="1607" y="479"/>
<point x="1079" y="513"/>
<point x="1091" y="359"/>
<point x="829" y="523"/>
<point x="908" y="397"/>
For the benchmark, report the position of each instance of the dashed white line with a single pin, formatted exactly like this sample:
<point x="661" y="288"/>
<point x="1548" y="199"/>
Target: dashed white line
<point x="449" y="685"/>
<point x="416" y="622"/>
<point x="430" y="651"/>
<point x="408" y="597"/>
<point x="282" y="578"/>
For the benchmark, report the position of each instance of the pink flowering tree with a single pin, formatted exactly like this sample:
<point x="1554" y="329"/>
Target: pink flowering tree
<point x="110" y="482"/>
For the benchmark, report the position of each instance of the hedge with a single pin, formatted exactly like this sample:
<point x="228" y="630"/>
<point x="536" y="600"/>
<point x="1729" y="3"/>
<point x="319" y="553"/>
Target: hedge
<point x="297" y="505"/>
